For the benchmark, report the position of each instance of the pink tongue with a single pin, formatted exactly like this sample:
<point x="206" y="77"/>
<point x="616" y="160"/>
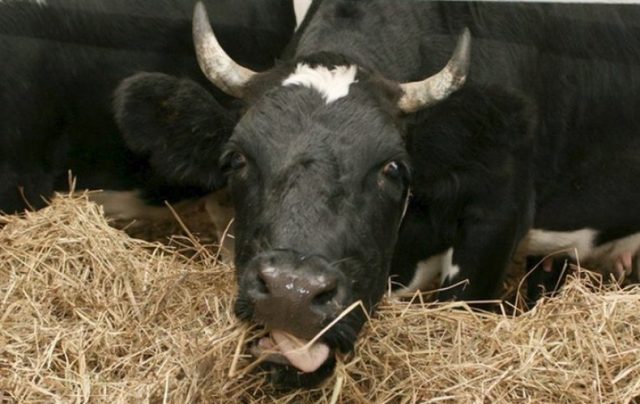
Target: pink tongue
<point x="305" y="359"/>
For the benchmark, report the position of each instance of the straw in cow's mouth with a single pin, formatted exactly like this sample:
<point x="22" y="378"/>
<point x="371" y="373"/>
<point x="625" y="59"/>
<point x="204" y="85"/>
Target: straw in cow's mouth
<point x="283" y="348"/>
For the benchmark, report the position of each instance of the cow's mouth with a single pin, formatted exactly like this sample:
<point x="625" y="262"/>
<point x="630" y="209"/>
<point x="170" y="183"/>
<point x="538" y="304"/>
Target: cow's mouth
<point x="296" y="352"/>
<point x="280" y="347"/>
<point x="292" y="362"/>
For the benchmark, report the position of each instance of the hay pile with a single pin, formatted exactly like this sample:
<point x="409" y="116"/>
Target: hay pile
<point x="89" y="314"/>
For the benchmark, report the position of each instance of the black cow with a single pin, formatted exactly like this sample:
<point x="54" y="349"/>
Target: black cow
<point x="62" y="60"/>
<point x="367" y="120"/>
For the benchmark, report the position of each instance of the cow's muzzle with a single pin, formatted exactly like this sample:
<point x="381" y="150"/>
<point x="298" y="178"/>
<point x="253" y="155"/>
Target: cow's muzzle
<point x="294" y="297"/>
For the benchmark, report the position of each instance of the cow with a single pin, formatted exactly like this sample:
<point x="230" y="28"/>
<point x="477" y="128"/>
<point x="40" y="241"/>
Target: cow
<point x="62" y="60"/>
<point x="402" y="140"/>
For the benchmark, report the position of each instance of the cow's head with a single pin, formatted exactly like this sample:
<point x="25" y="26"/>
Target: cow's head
<point x="319" y="176"/>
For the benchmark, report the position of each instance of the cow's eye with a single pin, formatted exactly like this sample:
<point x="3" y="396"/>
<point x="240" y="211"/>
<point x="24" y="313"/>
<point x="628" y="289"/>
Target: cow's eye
<point x="233" y="161"/>
<point x="393" y="170"/>
<point x="236" y="161"/>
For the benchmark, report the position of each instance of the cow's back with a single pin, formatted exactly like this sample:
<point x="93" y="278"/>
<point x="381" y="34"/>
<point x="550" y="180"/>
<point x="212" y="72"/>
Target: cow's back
<point x="410" y="40"/>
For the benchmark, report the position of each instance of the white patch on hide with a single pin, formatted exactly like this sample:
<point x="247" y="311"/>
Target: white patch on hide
<point x="300" y="8"/>
<point x="602" y="258"/>
<point x="425" y="272"/>
<point x="449" y="271"/>
<point x="605" y="257"/>
<point x="332" y="84"/>
<point x="619" y="246"/>
<point x="542" y="242"/>
<point x="128" y="205"/>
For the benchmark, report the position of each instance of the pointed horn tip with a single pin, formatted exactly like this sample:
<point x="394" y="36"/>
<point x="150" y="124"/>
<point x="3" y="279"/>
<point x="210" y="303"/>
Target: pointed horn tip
<point x="200" y="18"/>
<point x="199" y="9"/>
<point x="459" y="63"/>
<point x="466" y="40"/>
<point x="214" y="62"/>
<point x="463" y="47"/>
<point x="466" y="33"/>
<point x="418" y="95"/>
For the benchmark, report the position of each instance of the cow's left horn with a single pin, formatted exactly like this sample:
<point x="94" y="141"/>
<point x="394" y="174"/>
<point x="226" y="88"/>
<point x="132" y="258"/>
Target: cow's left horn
<point x="420" y="94"/>
<point x="223" y="71"/>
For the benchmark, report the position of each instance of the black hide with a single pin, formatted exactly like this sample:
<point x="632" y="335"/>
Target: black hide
<point x="543" y="135"/>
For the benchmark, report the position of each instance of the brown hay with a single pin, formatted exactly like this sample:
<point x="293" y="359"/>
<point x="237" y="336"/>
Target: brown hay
<point x="90" y="314"/>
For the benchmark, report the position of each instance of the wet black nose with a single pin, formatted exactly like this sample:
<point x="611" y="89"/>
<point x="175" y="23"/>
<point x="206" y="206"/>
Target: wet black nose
<point x="294" y="293"/>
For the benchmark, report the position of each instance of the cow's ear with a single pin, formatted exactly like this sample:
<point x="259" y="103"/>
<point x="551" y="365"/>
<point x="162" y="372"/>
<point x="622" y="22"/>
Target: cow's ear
<point x="177" y="124"/>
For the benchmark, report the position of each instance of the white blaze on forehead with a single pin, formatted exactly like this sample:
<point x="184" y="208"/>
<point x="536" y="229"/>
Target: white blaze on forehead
<point x="332" y="84"/>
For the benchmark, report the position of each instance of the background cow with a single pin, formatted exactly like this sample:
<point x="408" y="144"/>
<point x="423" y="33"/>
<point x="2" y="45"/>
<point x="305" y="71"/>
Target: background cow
<point x="62" y="60"/>
<point x="539" y="149"/>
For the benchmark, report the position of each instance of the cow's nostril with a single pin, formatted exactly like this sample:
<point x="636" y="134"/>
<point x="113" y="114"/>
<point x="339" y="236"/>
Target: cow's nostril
<point x="324" y="297"/>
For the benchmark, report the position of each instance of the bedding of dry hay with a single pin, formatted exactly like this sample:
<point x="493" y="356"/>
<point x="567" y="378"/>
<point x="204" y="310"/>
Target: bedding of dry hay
<point x="89" y="314"/>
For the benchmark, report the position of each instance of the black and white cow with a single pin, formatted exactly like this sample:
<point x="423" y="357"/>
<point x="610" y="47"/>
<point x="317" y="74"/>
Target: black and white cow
<point x="62" y="60"/>
<point x="367" y="119"/>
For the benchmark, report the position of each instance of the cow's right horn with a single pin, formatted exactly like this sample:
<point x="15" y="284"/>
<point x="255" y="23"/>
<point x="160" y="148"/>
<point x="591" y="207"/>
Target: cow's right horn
<point x="223" y="71"/>
<point x="420" y="94"/>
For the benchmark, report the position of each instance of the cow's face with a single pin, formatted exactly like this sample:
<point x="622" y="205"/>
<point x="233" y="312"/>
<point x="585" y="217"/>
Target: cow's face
<point x="319" y="175"/>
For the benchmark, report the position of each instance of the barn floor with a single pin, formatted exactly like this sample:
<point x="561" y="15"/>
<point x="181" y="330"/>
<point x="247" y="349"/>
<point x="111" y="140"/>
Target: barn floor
<point x="90" y="314"/>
